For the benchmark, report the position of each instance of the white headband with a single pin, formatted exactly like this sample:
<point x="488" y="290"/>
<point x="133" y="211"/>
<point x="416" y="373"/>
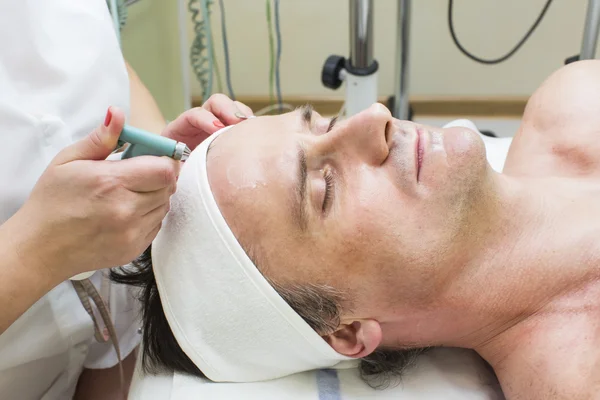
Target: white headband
<point x="223" y="313"/>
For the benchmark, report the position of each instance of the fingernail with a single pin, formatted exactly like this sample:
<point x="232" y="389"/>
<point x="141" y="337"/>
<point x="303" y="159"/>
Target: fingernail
<point x="108" y="117"/>
<point x="218" y="124"/>
<point x="240" y="115"/>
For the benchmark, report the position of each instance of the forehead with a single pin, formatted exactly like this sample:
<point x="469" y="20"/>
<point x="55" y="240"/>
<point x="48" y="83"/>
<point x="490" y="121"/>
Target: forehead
<point x="251" y="169"/>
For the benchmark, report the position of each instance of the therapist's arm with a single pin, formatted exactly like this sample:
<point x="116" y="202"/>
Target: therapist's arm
<point x="83" y="214"/>
<point x="105" y="384"/>
<point x="24" y="277"/>
<point x="144" y="112"/>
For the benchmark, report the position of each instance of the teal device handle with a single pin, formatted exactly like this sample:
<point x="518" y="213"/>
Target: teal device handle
<point x="143" y="143"/>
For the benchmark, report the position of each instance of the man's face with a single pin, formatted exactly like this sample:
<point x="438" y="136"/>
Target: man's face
<point x="373" y="206"/>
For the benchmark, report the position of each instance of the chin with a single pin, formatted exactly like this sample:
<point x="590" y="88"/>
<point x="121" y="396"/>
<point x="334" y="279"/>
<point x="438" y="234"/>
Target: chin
<point x="462" y="143"/>
<point x="459" y="169"/>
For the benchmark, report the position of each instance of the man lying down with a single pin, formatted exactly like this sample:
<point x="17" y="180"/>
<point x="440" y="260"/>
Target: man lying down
<point x="296" y="243"/>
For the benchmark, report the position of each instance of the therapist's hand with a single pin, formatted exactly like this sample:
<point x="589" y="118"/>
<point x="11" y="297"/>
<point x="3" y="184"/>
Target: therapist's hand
<point x="86" y="213"/>
<point x="196" y="124"/>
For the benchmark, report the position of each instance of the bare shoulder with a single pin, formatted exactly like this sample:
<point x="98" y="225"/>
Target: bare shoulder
<point x="560" y="131"/>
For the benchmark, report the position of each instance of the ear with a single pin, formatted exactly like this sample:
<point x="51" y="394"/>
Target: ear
<point x="357" y="339"/>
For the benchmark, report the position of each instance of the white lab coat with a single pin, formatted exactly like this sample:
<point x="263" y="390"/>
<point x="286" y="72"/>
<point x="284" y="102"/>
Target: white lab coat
<point x="60" y="69"/>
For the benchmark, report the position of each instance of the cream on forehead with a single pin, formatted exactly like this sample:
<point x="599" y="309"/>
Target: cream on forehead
<point x="236" y="177"/>
<point x="245" y="178"/>
<point x="239" y="176"/>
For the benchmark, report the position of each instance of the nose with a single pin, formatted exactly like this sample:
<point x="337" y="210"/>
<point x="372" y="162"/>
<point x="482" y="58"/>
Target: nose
<point x="365" y="136"/>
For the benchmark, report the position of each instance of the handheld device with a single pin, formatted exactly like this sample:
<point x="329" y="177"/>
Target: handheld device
<point x="143" y="143"/>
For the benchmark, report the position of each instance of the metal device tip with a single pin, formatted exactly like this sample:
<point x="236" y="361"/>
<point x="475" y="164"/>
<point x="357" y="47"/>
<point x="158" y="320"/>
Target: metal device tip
<point x="186" y="153"/>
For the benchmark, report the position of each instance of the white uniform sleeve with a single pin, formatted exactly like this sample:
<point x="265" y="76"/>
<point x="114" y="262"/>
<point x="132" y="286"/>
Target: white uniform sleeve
<point x="124" y="310"/>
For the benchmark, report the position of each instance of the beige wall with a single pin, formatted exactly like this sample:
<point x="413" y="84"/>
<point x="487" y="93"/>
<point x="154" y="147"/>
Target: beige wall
<point x="150" y="42"/>
<point x="313" y="29"/>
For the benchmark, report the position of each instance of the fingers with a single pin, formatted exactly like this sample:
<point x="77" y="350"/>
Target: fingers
<point x="225" y="109"/>
<point x="98" y="144"/>
<point x="149" y="201"/>
<point x="195" y="125"/>
<point x="153" y="221"/>
<point x="147" y="173"/>
<point x="200" y="119"/>
<point x="244" y="109"/>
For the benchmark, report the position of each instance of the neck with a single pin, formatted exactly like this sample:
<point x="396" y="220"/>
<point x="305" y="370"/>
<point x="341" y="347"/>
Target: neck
<point x="529" y="243"/>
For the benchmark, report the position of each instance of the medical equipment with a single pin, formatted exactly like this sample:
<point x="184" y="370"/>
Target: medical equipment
<point x="360" y="69"/>
<point x="590" y="33"/>
<point x="142" y="143"/>
<point x="358" y="86"/>
<point x="505" y="57"/>
<point x="202" y="53"/>
<point x="146" y="143"/>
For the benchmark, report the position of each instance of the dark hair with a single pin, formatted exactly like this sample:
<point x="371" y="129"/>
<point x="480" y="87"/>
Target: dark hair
<point x="319" y="306"/>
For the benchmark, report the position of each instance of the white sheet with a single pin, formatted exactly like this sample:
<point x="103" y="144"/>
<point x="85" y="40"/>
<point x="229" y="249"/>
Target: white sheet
<point x="441" y="374"/>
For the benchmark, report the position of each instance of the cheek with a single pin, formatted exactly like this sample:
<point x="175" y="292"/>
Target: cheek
<point x="372" y="219"/>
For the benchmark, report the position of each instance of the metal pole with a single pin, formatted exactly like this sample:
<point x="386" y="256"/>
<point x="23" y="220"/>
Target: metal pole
<point x="361" y="33"/>
<point x="590" y="33"/>
<point x="401" y="104"/>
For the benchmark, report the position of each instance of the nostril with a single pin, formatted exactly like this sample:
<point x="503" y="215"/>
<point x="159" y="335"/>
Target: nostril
<point x="388" y="132"/>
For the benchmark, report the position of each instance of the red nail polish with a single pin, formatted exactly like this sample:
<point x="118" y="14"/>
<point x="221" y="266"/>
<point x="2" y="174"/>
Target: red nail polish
<point x="108" y="117"/>
<point x="218" y="124"/>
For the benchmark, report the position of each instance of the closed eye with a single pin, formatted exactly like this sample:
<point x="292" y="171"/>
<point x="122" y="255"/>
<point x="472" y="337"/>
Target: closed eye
<point x="328" y="176"/>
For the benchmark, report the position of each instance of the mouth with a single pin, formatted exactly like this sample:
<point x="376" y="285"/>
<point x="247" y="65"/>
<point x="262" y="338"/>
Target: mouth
<point x="408" y="149"/>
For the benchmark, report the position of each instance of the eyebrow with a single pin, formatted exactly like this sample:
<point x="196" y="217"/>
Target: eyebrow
<point x="299" y="202"/>
<point x="306" y="111"/>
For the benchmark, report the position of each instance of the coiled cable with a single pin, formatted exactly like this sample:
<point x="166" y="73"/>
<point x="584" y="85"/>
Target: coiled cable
<point x="201" y="52"/>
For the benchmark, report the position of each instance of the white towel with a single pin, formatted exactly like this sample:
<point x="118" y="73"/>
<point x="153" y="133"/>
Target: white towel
<point x="223" y="313"/>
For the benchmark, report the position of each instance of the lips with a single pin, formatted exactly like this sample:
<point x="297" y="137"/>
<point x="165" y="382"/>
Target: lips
<point x="406" y="150"/>
<point x="419" y="151"/>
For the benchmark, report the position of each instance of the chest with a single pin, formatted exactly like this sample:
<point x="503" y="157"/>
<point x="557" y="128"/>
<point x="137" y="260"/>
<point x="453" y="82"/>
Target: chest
<point x="564" y="154"/>
<point x="557" y="359"/>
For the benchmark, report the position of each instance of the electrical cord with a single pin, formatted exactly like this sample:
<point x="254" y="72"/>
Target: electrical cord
<point x="266" y="110"/>
<point x="202" y="48"/>
<point x="216" y="66"/>
<point x="506" y="56"/>
<point x="114" y="13"/>
<point x="278" y="57"/>
<point x="271" y="53"/>
<point x="226" y="51"/>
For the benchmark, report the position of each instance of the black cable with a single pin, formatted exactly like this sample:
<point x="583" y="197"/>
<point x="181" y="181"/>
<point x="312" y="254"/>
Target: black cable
<point x="278" y="59"/>
<point x="226" y="51"/>
<point x="510" y="53"/>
